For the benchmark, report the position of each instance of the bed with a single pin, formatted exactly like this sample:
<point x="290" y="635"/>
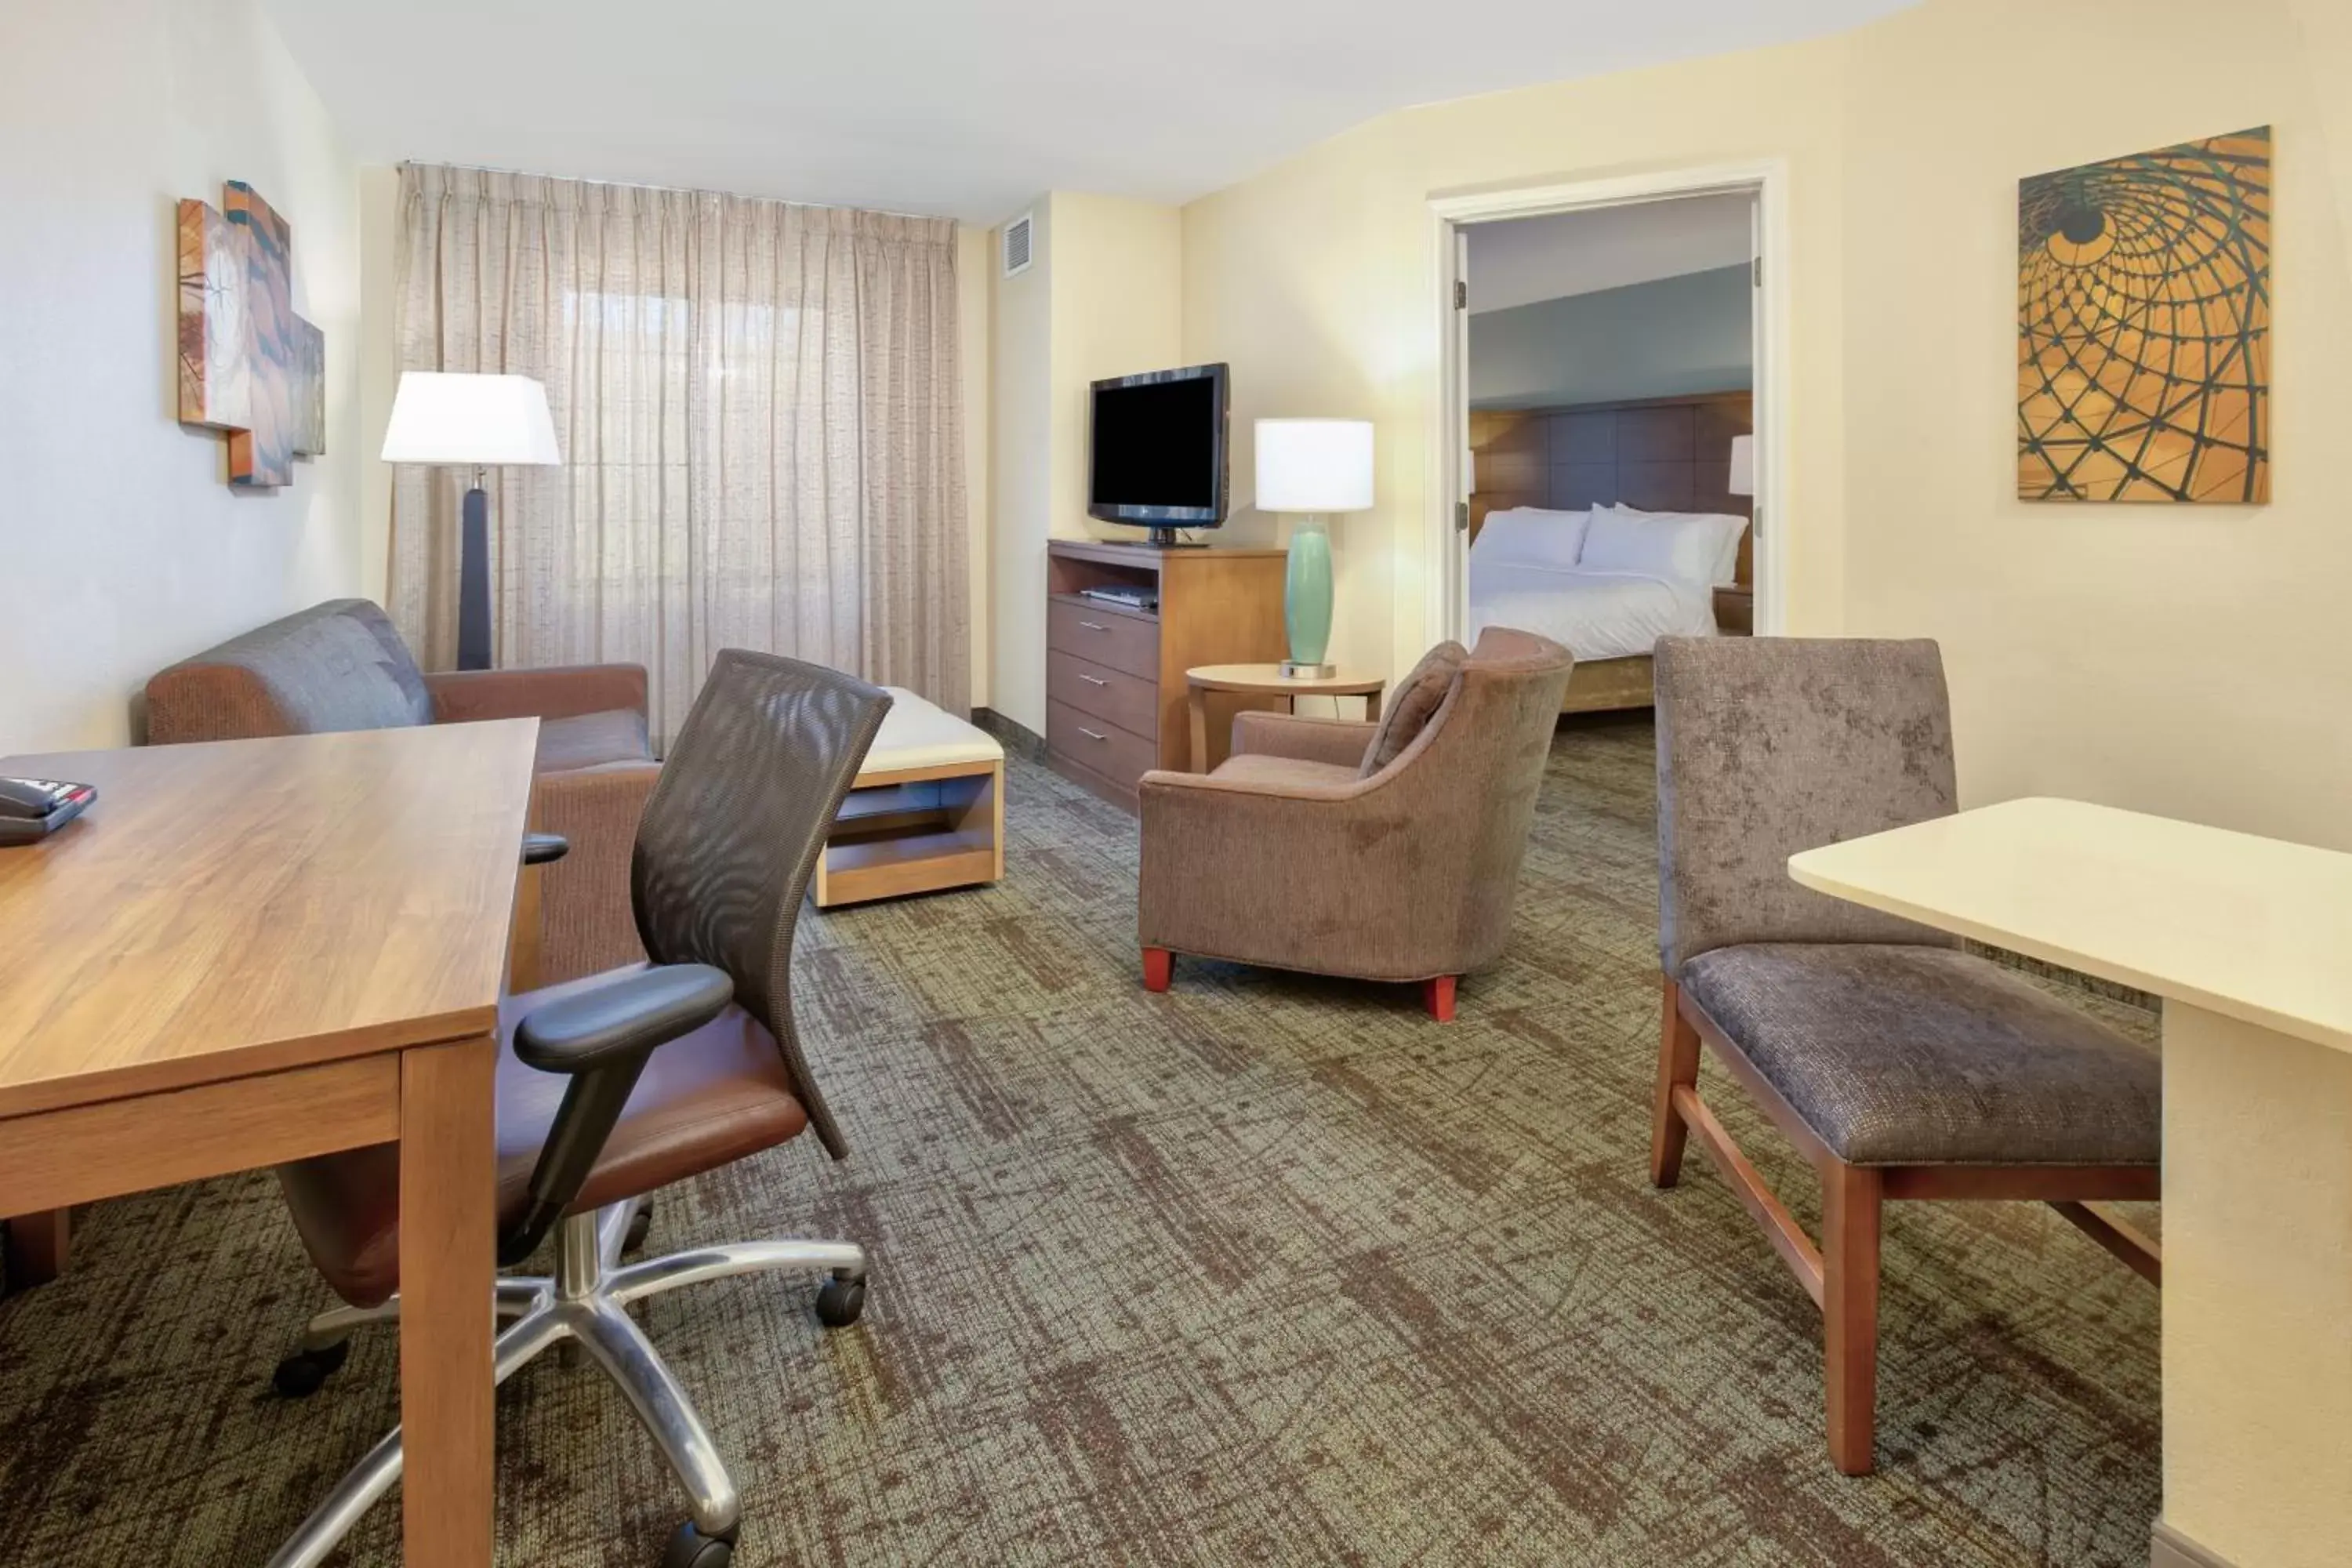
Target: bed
<point x="1661" y="457"/>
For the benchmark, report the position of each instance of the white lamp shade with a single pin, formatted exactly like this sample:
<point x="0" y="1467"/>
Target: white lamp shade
<point x="1313" y="465"/>
<point x="1743" y="465"/>
<point x="479" y="421"/>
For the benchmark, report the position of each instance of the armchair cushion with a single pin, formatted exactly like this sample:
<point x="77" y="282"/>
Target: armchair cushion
<point x="1418" y="696"/>
<point x="1333" y="740"/>
<point x="1903" y="1055"/>
<point x="1289" y="775"/>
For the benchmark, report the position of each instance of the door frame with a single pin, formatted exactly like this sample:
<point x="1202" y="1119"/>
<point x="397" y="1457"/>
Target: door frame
<point x="1448" y="591"/>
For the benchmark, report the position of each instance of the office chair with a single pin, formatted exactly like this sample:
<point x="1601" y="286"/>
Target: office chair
<point x="618" y="1084"/>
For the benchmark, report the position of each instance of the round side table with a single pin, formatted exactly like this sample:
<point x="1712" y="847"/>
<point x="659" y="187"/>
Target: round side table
<point x="1267" y="681"/>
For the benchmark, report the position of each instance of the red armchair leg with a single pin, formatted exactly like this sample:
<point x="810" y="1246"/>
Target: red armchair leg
<point x="1159" y="968"/>
<point x="1437" y="995"/>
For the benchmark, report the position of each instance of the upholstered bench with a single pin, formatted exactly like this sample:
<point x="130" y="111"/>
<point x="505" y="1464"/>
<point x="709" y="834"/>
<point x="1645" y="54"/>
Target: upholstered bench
<point x="927" y="812"/>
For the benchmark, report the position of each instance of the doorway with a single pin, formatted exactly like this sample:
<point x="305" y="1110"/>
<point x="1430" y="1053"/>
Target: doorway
<point x="1564" y="406"/>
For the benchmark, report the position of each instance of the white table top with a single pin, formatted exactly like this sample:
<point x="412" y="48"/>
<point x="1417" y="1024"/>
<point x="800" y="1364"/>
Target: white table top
<point x="2255" y="929"/>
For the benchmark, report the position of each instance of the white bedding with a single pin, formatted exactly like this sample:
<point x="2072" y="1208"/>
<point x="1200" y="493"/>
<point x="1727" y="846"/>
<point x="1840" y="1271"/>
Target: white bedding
<point x="1595" y="615"/>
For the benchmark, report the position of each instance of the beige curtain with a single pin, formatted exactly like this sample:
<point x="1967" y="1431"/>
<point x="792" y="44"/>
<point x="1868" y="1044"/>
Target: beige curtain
<point x="759" y="409"/>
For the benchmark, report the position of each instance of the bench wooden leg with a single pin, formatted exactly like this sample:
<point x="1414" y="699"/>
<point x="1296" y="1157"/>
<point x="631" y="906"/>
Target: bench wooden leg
<point x="1850" y="1205"/>
<point x="37" y="1245"/>
<point x="1677" y="1067"/>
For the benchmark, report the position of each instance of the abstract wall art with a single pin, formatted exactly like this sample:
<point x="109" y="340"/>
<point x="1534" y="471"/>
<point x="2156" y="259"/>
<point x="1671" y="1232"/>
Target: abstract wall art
<point x="248" y="365"/>
<point x="2144" y="319"/>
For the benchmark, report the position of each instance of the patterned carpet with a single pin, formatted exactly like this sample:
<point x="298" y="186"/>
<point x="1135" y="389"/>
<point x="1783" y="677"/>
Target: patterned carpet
<point x="1269" y="1269"/>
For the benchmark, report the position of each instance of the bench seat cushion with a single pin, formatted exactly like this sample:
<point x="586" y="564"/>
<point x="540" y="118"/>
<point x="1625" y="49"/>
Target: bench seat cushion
<point x="919" y="735"/>
<point x="1902" y="1054"/>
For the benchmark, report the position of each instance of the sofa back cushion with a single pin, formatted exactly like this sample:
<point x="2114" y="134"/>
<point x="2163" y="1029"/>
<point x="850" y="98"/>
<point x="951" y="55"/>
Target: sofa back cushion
<point x="336" y="665"/>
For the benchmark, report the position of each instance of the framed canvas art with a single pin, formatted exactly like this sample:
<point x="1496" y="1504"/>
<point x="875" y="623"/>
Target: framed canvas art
<point x="2143" y="346"/>
<point x="248" y="365"/>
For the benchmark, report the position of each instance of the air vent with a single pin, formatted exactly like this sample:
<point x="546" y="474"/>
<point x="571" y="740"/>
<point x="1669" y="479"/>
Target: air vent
<point x="1017" y="246"/>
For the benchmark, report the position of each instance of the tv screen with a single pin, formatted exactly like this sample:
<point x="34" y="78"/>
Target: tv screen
<point x="1158" y="454"/>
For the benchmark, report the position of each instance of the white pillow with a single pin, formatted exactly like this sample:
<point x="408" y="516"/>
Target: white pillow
<point x="1531" y="536"/>
<point x="1725" y="527"/>
<point x="1697" y="547"/>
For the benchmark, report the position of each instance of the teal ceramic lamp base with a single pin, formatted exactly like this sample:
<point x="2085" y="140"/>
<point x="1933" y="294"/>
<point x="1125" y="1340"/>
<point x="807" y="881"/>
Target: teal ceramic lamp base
<point x="1306" y="600"/>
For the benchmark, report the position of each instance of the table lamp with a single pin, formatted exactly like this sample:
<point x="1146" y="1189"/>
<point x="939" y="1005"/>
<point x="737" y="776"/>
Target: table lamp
<point x="1743" y="465"/>
<point x="1311" y="468"/>
<point x="479" y="422"/>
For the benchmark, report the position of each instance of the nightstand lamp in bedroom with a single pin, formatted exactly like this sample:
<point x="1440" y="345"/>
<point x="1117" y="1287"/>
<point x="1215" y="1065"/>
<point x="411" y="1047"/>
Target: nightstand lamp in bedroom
<point x="1312" y="467"/>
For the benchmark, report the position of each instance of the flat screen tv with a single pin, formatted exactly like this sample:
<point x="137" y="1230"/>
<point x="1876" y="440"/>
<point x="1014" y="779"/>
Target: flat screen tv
<point x="1156" y="457"/>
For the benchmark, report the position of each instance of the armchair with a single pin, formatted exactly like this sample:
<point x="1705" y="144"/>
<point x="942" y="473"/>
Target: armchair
<point x="1299" y="852"/>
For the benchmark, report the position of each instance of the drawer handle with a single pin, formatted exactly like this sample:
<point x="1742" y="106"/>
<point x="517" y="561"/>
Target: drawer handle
<point x="1094" y="626"/>
<point x="1093" y="680"/>
<point x="1090" y="734"/>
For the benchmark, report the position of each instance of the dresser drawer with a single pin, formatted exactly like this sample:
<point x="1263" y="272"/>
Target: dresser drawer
<point x="1118" y="754"/>
<point x="1127" y="700"/>
<point x="1127" y="643"/>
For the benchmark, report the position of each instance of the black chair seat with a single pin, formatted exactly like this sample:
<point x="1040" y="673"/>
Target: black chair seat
<point x="1928" y="1055"/>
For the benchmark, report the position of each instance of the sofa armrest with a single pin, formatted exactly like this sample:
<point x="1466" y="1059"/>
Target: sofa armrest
<point x="1337" y="743"/>
<point x="587" y="923"/>
<point x="558" y="691"/>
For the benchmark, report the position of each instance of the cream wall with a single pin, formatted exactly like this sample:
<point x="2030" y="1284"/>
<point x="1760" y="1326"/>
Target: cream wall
<point x="125" y="548"/>
<point x="2186" y="660"/>
<point x="2183" y="659"/>
<point x="1317" y="281"/>
<point x="1102" y="298"/>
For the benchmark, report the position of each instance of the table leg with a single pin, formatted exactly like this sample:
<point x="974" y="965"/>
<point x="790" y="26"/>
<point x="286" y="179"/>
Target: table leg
<point x="1196" y="703"/>
<point x="1371" y="708"/>
<point x="2257" y="1292"/>
<point x="447" y="1246"/>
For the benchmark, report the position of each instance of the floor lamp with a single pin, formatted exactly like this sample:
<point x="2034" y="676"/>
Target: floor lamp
<point x="478" y="422"/>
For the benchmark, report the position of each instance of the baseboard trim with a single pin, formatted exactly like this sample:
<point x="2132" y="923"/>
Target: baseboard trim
<point x="2168" y="1548"/>
<point x="1016" y="737"/>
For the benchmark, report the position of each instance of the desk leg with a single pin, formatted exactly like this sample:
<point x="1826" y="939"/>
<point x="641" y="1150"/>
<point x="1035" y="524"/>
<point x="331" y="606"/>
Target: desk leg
<point x="447" y="1246"/>
<point x="2257" y="1292"/>
<point x="36" y="1247"/>
<point x="1196" y="703"/>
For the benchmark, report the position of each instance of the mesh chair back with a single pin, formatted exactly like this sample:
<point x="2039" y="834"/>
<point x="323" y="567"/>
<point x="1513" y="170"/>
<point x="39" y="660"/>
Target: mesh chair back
<point x="731" y="836"/>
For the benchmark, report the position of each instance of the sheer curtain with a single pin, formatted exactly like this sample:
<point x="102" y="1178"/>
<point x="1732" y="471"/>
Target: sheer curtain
<point x="759" y="411"/>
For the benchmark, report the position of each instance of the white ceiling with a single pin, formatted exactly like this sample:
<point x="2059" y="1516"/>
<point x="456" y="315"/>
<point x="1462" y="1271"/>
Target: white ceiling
<point x="1525" y="259"/>
<point x="948" y="106"/>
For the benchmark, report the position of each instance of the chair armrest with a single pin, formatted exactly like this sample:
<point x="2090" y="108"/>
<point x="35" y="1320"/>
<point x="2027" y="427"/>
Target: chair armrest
<point x="626" y="1017"/>
<point x="558" y="691"/>
<point x="1339" y="742"/>
<point x="600" y="1038"/>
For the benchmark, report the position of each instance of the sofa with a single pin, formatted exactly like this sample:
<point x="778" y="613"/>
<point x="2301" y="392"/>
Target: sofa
<point x="1386" y="851"/>
<point x="342" y="665"/>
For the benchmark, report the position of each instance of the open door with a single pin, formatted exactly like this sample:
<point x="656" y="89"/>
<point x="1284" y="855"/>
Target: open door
<point x="1762" y="555"/>
<point x="1452" y="613"/>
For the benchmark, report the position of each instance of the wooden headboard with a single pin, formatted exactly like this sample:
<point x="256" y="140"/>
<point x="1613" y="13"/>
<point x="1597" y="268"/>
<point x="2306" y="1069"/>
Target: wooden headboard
<point x="1660" y="454"/>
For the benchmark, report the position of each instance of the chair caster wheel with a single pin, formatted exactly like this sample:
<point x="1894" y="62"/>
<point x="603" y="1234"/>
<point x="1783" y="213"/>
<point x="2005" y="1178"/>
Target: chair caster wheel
<point x="689" y="1548"/>
<point x="640" y="1226"/>
<point x="302" y="1375"/>
<point x="840" y="1303"/>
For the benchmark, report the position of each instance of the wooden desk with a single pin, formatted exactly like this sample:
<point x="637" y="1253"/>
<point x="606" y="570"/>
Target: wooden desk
<point x="251" y="951"/>
<point x="1265" y="680"/>
<point x="2249" y="942"/>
